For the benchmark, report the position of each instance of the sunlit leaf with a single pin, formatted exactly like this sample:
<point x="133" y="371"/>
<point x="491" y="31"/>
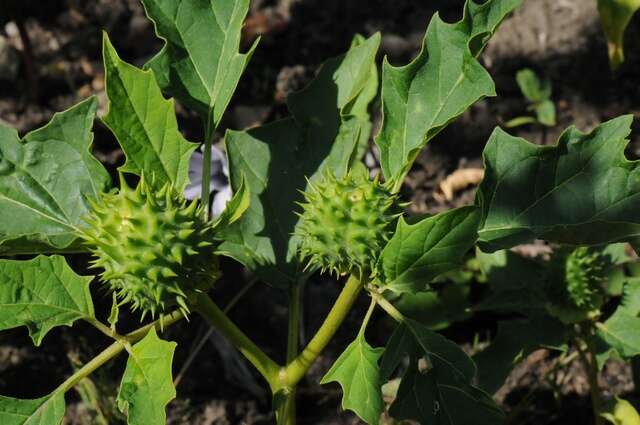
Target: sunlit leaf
<point x="41" y="294"/>
<point x="581" y="191"/>
<point x="46" y="179"/>
<point x="47" y="410"/>
<point x="358" y="373"/>
<point x="419" y="252"/>
<point x="147" y="383"/>
<point x="423" y="97"/>
<point x="144" y="123"/>
<point x="199" y="64"/>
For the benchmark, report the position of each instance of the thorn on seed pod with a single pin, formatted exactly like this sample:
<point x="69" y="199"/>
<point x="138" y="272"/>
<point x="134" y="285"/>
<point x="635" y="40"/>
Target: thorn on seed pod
<point x="345" y="222"/>
<point x="153" y="246"/>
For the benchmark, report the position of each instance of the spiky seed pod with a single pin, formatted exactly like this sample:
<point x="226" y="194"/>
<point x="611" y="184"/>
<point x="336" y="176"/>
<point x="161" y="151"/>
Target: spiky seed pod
<point x="584" y="272"/>
<point x="153" y="246"/>
<point x="575" y="289"/>
<point x="345" y="223"/>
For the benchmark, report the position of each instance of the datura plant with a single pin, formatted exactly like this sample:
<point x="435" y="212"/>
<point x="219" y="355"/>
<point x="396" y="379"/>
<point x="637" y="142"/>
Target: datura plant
<point x="303" y="203"/>
<point x="559" y="302"/>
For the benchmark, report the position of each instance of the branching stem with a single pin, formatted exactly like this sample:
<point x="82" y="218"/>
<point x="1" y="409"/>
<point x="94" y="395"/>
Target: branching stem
<point x="295" y="370"/>
<point x="204" y="305"/>
<point x="106" y="330"/>
<point x="115" y="349"/>
<point x="387" y="306"/>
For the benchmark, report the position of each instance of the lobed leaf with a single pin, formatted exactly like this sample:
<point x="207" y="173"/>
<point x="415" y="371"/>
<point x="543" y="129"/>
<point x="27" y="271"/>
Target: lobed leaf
<point x="517" y="283"/>
<point x="147" y="383"/>
<point x="41" y="294"/>
<point x="441" y="390"/>
<point x="47" y="410"/>
<point x="199" y="64"/>
<point x="423" y="97"/>
<point x="582" y="191"/>
<point x="358" y="373"/>
<point x="619" y="332"/>
<point x="417" y="253"/>
<point x="144" y="122"/>
<point x="46" y="179"/>
<point x="276" y="158"/>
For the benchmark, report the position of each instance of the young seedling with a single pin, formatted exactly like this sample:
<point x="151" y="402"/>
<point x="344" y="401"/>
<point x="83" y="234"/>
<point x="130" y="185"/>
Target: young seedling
<point x="538" y="93"/>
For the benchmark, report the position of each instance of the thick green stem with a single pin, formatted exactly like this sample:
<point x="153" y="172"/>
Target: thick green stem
<point x="286" y="414"/>
<point x="296" y="369"/>
<point x="588" y="356"/>
<point x="115" y="349"/>
<point x="209" y="128"/>
<point x="203" y="304"/>
<point x="293" y="332"/>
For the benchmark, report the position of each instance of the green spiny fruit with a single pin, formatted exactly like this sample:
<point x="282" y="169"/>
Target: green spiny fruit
<point x="576" y="291"/>
<point x="153" y="246"/>
<point x="345" y="222"/>
<point x="584" y="272"/>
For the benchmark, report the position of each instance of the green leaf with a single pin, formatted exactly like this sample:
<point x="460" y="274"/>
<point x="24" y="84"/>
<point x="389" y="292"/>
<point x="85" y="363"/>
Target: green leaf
<point x="546" y="113"/>
<point x="519" y="121"/>
<point x="615" y="16"/>
<point x="621" y="412"/>
<point x="531" y="86"/>
<point x="620" y="331"/>
<point x="357" y="372"/>
<point x="275" y="159"/>
<point x="442" y="353"/>
<point x="423" y="97"/>
<point x="440" y="390"/>
<point x="41" y="294"/>
<point x="147" y="384"/>
<point x="199" y="64"/>
<point x="45" y="180"/>
<point x="234" y="209"/>
<point x="517" y="283"/>
<point x="438" y="310"/>
<point x="515" y="340"/>
<point x="341" y="90"/>
<point x="630" y="303"/>
<point x="47" y="410"/>
<point x="423" y="399"/>
<point x="144" y="122"/>
<point x="419" y="252"/>
<point x="582" y="191"/>
<point x="359" y="108"/>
